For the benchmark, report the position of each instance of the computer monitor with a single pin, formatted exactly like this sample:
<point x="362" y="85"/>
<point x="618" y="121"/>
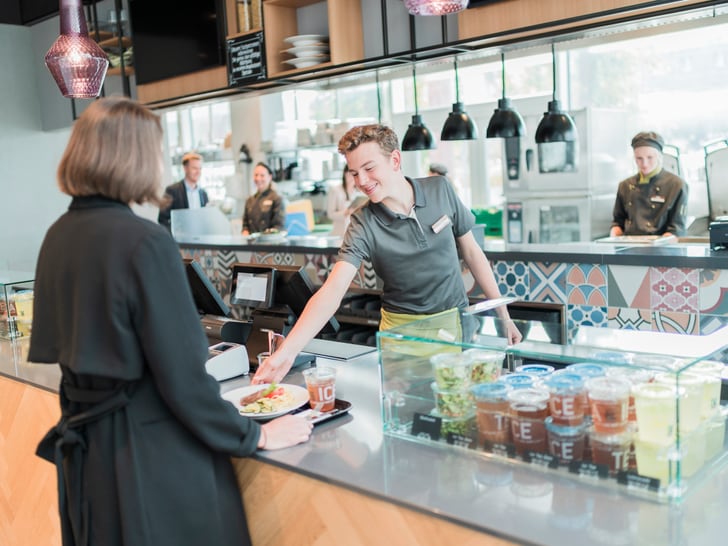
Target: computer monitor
<point x="291" y="290"/>
<point x="253" y="286"/>
<point x="207" y="298"/>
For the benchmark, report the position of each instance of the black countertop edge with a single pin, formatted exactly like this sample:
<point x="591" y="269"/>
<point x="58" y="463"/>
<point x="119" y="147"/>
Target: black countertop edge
<point x="678" y="255"/>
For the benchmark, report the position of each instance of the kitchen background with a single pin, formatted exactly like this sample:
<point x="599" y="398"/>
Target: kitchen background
<point x="667" y="74"/>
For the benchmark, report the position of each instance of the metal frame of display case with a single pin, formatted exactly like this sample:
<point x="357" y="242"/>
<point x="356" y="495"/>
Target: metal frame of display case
<point x="410" y="398"/>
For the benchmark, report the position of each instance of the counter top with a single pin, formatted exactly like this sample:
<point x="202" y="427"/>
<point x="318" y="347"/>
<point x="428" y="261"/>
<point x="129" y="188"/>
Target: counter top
<point x="691" y="255"/>
<point x="511" y="501"/>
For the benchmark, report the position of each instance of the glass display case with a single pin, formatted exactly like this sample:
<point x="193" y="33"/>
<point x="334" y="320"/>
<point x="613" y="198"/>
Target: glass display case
<point x="16" y="303"/>
<point x="634" y="410"/>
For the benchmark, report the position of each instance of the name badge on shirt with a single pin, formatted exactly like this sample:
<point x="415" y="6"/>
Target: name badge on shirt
<point x="657" y="199"/>
<point x="441" y="224"/>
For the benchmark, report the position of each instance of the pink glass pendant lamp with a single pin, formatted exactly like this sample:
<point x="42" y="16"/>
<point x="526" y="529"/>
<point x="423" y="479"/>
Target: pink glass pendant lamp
<point x="435" y="7"/>
<point x="76" y="62"/>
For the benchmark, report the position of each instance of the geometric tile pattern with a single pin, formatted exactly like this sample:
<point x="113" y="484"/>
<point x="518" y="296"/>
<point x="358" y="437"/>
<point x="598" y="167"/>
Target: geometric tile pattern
<point x="626" y="318"/>
<point x="586" y="284"/>
<point x="676" y="323"/>
<point x="628" y="286"/>
<point x="713" y="291"/>
<point x="547" y="282"/>
<point x="584" y="315"/>
<point x="630" y="297"/>
<point x="674" y="289"/>
<point x="512" y="278"/>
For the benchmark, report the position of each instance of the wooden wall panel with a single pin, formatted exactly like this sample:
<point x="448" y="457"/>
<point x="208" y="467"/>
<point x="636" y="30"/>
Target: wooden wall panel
<point x="288" y="509"/>
<point x="28" y="494"/>
<point x="516" y="14"/>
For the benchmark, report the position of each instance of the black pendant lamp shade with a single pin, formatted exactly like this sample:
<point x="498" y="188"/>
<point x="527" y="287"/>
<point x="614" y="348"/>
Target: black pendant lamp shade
<point x="458" y="125"/>
<point x="505" y="122"/>
<point x="417" y="137"/>
<point x="555" y="125"/>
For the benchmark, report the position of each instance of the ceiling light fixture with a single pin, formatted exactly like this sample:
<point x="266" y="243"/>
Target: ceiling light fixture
<point x="417" y="137"/>
<point x="555" y="125"/>
<point x="505" y="122"/>
<point x="435" y="7"/>
<point x="458" y="125"/>
<point x="76" y="62"/>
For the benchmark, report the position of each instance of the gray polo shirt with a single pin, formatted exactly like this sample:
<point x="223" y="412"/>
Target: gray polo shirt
<point x="416" y="256"/>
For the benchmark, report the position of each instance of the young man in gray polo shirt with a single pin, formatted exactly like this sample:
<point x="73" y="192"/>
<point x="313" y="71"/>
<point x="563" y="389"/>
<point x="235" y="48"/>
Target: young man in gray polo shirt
<point x="411" y="231"/>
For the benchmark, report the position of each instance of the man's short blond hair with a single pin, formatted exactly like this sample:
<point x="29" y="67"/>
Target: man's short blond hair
<point x="385" y="137"/>
<point x="189" y="156"/>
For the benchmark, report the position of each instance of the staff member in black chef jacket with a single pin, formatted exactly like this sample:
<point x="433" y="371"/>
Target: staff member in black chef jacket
<point x="654" y="201"/>
<point x="264" y="210"/>
<point x="185" y="194"/>
<point x="144" y="443"/>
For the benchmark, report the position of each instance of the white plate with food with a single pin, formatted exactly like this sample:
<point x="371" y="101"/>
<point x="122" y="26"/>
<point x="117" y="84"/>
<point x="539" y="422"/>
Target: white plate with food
<point x="306" y="50"/>
<point x="268" y="400"/>
<point x="305" y="39"/>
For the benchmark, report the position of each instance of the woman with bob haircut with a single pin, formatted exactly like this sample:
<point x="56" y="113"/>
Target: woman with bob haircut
<point x="144" y="443"/>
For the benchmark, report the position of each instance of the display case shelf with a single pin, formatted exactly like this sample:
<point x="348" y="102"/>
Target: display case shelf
<point x="649" y="421"/>
<point x="16" y="303"/>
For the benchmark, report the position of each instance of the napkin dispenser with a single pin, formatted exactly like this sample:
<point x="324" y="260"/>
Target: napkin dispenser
<point x="719" y="233"/>
<point x="227" y="360"/>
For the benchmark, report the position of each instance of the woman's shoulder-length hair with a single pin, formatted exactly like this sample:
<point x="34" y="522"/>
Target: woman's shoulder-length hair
<point x="115" y="150"/>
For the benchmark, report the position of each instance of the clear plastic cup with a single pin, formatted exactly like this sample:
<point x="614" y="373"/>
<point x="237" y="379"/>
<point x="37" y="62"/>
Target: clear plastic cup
<point x="519" y="380"/>
<point x="452" y="402"/>
<point x="491" y="404"/>
<point x="486" y="365"/>
<point x="321" y="385"/>
<point x="689" y="407"/>
<point x="712" y="372"/>
<point x="566" y="398"/>
<point x="539" y="370"/>
<point x="452" y="371"/>
<point x="565" y="442"/>
<point x="528" y="409"/>
<point x="611" y="450"/>
<point x="609" y="403"/>
<point x="656" y="409"/>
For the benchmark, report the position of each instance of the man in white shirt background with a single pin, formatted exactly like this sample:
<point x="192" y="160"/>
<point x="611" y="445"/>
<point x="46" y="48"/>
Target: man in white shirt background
<point x="185" y="194"/>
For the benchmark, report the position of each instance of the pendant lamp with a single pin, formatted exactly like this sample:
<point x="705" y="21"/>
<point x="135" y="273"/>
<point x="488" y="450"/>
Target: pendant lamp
<point x="506" y="122"/>
<point x="76" y="62"/>
<point x="417" y="137"/>
<point x="458" y="125"/>
<point x="435" y="7"/>
<point x="555" y="125"/>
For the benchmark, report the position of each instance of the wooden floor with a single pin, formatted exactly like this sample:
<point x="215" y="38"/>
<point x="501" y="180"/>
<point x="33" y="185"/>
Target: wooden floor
<point x="28" y="502"/>
<point x="329" y="515"/>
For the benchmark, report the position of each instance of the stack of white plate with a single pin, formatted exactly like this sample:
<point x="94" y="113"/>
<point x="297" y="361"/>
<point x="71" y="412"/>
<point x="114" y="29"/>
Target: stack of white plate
<point x="307" y="50"/>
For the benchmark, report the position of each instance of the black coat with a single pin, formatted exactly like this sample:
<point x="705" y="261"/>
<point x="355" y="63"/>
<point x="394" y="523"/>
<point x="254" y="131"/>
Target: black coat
<point x="112" y="305"/>
<point x="178" y="200"/>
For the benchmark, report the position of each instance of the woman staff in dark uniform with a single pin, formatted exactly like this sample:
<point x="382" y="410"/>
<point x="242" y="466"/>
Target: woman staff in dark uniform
<point x="144" y="443"/>
<point x="654" y="201"/>
<point x="264" y="210"/>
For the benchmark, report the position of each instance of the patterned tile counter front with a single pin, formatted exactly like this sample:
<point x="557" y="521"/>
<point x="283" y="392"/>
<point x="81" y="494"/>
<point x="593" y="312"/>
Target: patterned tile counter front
<point x="675" y="288"/>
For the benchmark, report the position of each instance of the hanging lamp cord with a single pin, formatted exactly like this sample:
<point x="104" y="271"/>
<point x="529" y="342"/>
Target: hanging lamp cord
<point x="503" y="73"/>
<point x="414" y="84"/>
<point x="457" y="82"/>
<point x="379" y="99"/>
<point x="553" y="69"/>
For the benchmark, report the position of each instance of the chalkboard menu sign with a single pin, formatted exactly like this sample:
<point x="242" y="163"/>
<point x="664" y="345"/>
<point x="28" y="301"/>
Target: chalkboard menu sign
<point x="245" y="59"/>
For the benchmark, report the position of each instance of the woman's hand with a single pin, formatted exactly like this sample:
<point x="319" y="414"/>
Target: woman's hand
<point x="273" y="369"/>
<point x="513" y="335"/>
<point x="285" y="431"/>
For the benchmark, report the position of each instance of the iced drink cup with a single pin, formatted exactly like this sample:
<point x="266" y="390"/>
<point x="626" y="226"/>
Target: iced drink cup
<point x="609" y="402"/>
<point x="494" y="422"/>
<point x="656" y="408"/>
<point x="566" y="398"/>
<point x="529" y="409"/>
<point x="321" y="385"/>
